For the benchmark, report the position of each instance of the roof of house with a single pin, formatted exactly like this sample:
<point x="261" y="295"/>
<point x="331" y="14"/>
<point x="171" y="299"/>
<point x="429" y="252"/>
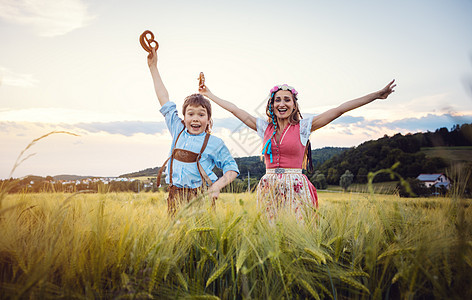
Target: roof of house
<point x="428" y="177"/>
<point x="440" y="184"/>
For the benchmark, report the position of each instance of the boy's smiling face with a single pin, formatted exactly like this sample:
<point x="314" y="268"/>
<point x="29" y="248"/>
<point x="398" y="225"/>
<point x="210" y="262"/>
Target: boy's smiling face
<point x="196" y="119"/>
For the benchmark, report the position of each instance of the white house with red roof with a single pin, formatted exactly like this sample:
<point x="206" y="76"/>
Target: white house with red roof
<point x="437" y="180"/>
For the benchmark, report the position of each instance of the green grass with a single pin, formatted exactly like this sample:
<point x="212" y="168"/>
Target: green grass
<point x="123" y="245"/>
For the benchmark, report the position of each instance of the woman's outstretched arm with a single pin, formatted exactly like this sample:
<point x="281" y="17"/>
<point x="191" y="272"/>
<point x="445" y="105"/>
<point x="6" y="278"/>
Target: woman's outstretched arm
<point x="161" y="91"/>
<point x="242" y="115"/>
<point x="334" y="113"/>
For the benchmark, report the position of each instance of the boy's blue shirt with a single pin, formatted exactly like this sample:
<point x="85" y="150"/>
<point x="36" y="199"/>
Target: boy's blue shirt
<point x="216" y="153"/>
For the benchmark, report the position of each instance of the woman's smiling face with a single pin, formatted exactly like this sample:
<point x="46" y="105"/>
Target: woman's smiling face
<point x="196" y="119"/>
<point x="283" y="104"/>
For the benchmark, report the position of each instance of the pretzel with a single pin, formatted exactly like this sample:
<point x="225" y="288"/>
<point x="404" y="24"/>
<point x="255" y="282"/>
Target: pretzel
<point x="147" y="42"/>
<point x="201" y="80"/>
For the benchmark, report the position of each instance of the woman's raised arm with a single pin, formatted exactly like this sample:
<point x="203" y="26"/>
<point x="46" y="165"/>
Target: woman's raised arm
<point x="242" y="115"/>
<point x="334" y="113"/>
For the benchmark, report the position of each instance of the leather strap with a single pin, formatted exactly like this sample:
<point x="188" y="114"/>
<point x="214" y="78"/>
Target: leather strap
<point x="163" y="167"/>
<point x="206" y="181"/>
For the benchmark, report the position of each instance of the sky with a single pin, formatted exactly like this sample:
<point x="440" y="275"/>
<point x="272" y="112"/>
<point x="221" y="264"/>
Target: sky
<point x="75" y="67"/>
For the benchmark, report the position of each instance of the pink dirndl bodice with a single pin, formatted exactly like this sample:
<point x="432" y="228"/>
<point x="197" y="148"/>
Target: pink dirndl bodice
<point x="288" y="152"/>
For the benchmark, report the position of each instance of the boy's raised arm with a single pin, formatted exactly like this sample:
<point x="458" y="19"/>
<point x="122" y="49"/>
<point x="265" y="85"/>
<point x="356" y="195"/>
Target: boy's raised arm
<point x="161" y="91"/>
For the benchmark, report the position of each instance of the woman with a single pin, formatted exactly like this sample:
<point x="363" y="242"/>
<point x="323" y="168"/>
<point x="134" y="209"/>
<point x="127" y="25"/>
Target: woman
<point x="286" y="144"/>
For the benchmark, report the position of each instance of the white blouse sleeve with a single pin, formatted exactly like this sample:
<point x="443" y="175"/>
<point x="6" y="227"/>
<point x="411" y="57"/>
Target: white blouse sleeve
<point x="261" y="127"/>
<point x="305" y="129"/>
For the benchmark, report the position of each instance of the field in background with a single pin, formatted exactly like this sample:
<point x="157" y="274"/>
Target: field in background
<point x="124" y="245"/>
<point x="389" y="187"/>
<point x="450" y="153"/>
<point x="145" y="178"/>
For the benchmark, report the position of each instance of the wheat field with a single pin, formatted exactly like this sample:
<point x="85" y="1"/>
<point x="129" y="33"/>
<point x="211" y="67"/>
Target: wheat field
<point x="125" y="246"/>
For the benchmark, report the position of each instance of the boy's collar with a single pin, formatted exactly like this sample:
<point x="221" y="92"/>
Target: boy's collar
<point x="200" y="134"/>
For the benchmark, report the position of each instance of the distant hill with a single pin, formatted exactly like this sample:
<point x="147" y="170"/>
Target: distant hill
<point x="319" y="156"/>
<point x="145" y="172"/>
<point x="71" y="177"/>
<point x="32" y="178"/>
<point x="65" y="177"/>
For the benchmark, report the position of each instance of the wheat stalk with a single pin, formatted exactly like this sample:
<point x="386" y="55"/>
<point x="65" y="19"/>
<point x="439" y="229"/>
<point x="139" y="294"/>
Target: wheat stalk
<point x="20" y="159"/>
<point x="395" y="252"/>
<point x="316" y="254"/>
<point x="358" y="274"/>
<point x="310" y="289"/>
<point x="199" y="229"/>
<point x="217" y="274"/>
<point x="354" y="283"/>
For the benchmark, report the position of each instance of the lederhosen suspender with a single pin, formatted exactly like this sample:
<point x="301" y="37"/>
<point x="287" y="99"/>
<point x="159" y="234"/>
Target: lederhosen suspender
<point x="186" y="156"/>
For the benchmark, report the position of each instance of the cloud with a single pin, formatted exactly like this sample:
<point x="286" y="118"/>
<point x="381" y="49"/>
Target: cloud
<point x="57" y="115"/>
<point x="344" y="120"/>
<point x="10" y="78"/>
<point x="47" y="17"/>
<point x="126" y="128"/>
<point x="7" y="126"/>
<point x="428" y="123"/>
<point x="129" y="128"/>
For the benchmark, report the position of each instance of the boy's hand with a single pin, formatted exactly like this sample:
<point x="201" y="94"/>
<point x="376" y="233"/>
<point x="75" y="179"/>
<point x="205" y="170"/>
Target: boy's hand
<point x="152" y="58"/>
<point x="214" y="192"/>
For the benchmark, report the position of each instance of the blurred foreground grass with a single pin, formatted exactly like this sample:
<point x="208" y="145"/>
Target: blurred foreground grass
<point x="123" y="245"/>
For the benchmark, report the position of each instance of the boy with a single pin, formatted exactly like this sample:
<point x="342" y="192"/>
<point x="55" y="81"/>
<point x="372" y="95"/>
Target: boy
<point x="194" y="151"/>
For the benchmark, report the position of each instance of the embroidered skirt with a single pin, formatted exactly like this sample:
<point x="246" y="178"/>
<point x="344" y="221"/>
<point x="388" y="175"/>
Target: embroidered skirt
<point x="287" y="189"/>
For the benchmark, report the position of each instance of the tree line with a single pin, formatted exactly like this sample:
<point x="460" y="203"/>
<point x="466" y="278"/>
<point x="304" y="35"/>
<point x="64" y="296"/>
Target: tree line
<point x="37" y="184"/>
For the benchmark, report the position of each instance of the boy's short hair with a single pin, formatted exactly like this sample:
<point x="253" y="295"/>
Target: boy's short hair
<point x="197" y="100"/>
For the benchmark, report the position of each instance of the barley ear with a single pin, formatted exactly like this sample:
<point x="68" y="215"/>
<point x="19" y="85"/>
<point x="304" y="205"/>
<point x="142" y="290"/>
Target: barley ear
<point x="217" y="274"/>
<point x="310" y="289"/>
<point x="354" y="284"/>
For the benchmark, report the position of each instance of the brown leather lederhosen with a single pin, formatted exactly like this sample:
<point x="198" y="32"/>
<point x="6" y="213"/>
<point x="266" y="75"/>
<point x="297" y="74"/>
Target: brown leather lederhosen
<point x="176" y="194"/>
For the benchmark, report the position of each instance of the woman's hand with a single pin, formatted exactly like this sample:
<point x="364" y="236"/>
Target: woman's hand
<point x="152" y="58"/>
<point x="386" y="91"/>
<point x="205" y="91"/>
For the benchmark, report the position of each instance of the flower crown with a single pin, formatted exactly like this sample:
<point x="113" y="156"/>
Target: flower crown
<point x="283" y="87"/>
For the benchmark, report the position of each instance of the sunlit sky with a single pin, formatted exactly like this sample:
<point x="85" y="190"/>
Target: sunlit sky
<point x="77" y="66"/>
